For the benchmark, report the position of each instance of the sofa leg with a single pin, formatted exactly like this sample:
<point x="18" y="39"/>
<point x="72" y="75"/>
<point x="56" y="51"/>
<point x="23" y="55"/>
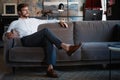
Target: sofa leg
<point x="13" y="70"/>
<point x="104" y="65"/>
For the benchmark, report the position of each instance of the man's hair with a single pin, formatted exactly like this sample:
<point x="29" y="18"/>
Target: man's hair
<point x="20" y="6"/>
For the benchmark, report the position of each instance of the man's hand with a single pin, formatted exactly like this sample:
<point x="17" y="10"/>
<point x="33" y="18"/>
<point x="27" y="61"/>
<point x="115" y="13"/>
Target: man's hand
<point x="9" y="35"/>
<point x="63" y="24"/>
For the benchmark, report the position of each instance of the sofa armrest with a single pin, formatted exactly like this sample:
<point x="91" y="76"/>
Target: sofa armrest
<point x="8" y="44"/>
<point x="15" y="42"/>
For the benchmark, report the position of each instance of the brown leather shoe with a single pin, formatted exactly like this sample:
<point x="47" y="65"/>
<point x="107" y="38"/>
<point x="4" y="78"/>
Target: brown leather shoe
<point x="52" y="73"/>
<point x="72" y="49"/>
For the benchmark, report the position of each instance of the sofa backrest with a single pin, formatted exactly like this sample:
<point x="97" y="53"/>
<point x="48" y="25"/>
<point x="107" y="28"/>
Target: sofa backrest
<point x="64" y="34"/>
<point x="81" y="31"/>
<point x="93" y="31"/>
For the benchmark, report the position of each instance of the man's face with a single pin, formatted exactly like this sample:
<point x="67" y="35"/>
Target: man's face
<point x="24" y="12"/>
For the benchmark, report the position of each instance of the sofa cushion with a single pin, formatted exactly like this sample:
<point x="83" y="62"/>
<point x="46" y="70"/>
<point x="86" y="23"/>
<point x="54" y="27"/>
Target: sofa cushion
<point x="65" y="34"/>
<point x="36" y="54"/>
<point x="98" y="51"/>
<point x="17" y="42"/>
<point x="93" y="31"/>
<point x="26" y="54"/>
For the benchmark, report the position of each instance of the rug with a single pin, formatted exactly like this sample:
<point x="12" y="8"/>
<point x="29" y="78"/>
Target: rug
<point x="67" y="75"/>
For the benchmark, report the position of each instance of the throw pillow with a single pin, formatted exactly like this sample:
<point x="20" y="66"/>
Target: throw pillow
<point x="116" y="33"/>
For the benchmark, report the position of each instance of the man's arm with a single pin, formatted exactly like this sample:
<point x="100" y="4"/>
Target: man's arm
<point x="61" y="22"/>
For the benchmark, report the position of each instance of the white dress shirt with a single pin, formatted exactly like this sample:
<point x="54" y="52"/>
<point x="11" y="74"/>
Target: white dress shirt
<point x="27" y="26"/>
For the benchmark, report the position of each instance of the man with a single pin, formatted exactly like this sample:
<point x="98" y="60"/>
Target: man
<point x="27" y="30"/>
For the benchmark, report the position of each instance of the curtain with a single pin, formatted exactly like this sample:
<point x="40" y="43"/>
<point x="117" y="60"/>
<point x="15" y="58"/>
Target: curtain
<point x="93" y="4"/>
<point x="104" y="6"/>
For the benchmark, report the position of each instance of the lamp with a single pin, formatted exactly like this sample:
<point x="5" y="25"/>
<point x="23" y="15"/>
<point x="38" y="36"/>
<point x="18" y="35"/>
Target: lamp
<point x="61" y="7"/>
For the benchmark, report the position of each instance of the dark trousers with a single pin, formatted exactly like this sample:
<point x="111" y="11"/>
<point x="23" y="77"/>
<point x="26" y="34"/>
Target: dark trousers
<point x="46" y="39"/>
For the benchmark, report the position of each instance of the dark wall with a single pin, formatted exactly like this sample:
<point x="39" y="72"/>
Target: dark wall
<point x="115" y="11"/>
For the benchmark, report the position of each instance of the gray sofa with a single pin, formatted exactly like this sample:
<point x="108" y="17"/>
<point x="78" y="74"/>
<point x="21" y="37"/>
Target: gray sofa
<point x="95" y="36"/>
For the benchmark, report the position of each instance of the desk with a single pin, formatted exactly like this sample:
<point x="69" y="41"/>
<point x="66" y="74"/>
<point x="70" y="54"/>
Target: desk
<point x="111" y="48"/>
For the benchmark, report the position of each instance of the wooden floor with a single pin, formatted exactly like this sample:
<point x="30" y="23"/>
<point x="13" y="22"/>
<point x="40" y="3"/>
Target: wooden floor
<point x="3" y="67"/>
<point x="84" y="74"/>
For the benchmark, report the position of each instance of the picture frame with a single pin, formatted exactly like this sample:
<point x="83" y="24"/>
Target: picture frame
<point x="72" y="10"/>
<point x="53" y="5"/>
<point x="9" y="9"/>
